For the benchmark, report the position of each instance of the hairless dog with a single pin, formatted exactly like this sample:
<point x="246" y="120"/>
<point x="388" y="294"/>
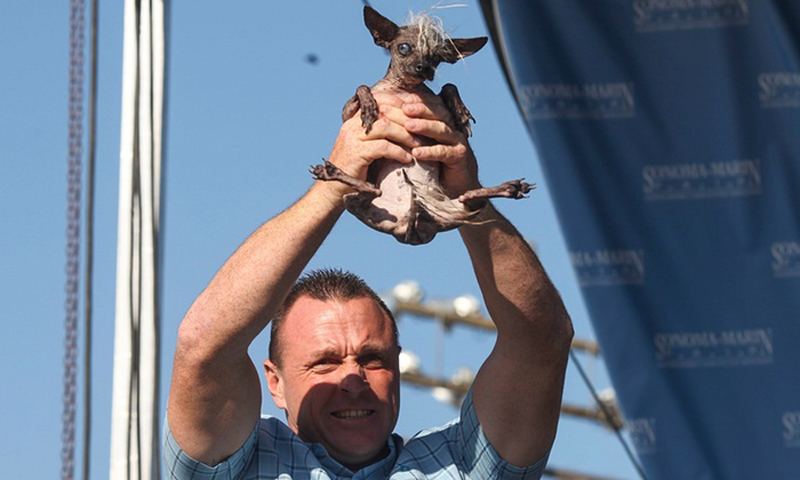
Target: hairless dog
<point x="407" y="201"/>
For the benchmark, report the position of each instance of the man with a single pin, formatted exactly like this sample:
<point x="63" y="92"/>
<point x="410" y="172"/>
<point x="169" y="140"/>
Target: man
<point x="334" y="369"/>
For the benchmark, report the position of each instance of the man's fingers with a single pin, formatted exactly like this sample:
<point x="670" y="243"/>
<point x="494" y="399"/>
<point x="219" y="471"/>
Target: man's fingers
<point x="385" y="149"/>
<point x="385" y="129"/>
<point x="388" y="99"/>
<point x="447" y="154"/>
<point x="354" y="149"/>
<point x="434" y="129"/>
<point x="394" y="114"/>
<point x="428" y="111"/>
<point x="355" y="159"/>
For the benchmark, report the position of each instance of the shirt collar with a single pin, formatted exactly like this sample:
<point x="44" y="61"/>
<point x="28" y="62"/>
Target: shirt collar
<point x="380" y="469"/>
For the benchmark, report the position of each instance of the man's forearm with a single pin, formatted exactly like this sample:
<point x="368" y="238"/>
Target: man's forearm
<point x="518" y="293"/>
<point x="517" y="392"/>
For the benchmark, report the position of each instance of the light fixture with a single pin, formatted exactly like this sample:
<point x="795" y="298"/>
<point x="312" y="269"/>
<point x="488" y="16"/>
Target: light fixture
<point x="409" y="362"/>
<point x="608" y="397"/>
<point x="466" y="305"/>
<point x="463" y="376"/>
<point x="408" y="292"/>
<point x="445" y="395"/>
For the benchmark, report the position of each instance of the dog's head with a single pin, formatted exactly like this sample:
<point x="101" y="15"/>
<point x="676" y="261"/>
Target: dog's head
<point x="418" y="48"/>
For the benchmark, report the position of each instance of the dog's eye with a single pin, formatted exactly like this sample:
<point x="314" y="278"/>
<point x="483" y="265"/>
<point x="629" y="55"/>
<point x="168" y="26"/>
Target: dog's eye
<point x="404" y="49"/>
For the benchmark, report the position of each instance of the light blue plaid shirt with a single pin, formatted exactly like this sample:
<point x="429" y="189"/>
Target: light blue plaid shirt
<point x="457" y="450"/>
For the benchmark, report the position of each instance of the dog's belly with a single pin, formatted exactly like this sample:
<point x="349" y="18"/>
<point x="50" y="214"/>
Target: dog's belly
<point x="412" y="207"/>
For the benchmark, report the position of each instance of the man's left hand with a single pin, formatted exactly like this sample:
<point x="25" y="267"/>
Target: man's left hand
<point x="427" y="116"/>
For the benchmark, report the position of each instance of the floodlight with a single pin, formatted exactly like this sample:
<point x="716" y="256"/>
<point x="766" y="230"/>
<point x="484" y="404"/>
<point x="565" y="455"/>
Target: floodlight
<point x="444" y="395"/>
<point x="463" y="376"/>
<point x="466" y="305"/>
<point x="408" y="292"/>
<point x="409" y="363"/>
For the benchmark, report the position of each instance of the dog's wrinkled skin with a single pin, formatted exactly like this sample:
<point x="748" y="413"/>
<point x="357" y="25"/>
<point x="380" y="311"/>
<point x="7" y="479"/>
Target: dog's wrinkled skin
<point x="409" y="202"/>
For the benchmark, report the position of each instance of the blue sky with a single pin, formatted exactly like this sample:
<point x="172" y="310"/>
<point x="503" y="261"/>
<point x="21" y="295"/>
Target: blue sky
<point x="247" y="115"/>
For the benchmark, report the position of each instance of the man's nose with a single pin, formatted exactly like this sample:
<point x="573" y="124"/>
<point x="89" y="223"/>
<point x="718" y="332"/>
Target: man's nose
<point x="354" y="381"/>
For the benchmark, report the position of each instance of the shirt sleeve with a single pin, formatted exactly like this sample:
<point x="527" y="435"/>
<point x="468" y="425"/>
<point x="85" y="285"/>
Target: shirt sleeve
<point x="181" y="466"/>
<point x="481" y="459"/>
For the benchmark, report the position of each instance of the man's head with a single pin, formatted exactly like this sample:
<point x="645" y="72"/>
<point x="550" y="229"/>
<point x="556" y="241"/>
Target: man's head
<point x="333" y="366"/>
<point x="324" y="284"/>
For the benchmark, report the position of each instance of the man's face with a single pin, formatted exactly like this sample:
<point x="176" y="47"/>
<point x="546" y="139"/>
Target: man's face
<point x="339" y="381"/>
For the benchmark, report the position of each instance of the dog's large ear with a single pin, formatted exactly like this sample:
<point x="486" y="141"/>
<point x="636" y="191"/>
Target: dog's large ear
<point x="382" y="29"/>
<point x="458" y="48"/>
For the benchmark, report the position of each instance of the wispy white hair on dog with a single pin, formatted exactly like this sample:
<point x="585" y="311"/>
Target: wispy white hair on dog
<point x="431" y="35"/>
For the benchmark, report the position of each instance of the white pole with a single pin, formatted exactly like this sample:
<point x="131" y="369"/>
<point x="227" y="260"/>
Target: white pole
<point x="134" y="431"/>
<point x="148" y="333"/>
<point x="123" y="333"/>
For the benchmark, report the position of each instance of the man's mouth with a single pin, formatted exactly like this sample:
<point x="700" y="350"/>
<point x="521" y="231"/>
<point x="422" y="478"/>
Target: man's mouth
<point x="352" y="414"/>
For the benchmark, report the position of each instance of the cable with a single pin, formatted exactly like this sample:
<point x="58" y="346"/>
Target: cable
<point x="608" y="415"/>
<point x="90" y="161"/>
<point x="73" y="237"/>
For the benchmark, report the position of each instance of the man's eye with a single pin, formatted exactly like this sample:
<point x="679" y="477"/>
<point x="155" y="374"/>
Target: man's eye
<point x="372" y="361"/>
<point x="404" y="49"/>
<point x="325" y="362"/>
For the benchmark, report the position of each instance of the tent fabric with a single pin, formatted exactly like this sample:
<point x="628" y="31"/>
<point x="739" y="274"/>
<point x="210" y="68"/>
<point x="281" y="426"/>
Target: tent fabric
<point x="669" y="132"/>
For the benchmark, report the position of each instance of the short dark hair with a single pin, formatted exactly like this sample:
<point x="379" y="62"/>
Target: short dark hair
<point x="325" y="284"/>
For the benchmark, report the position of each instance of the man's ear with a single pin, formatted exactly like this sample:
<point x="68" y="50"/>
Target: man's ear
<point x="382" y="29"/>
<point x="275" y="384"/>
<point x="459" y="48"/>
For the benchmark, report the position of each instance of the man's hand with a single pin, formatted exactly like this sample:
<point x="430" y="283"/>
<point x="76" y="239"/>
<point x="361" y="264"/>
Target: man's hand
<point x="427" y="133"/>
<point x="430" y="118"/>
<point x="354" y="149"/>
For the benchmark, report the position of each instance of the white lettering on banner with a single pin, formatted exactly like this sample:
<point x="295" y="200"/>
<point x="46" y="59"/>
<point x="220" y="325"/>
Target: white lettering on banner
<point x="643" y="434"/>
<point x="727" y="348"/>
<point x="791" y="429"/>
<point x="779" y="89"/>
<point x="785" y="259"/>
<point x="662" y="15"/>
<point x="702" y="180"/>
<point x="608" y="267"/>
<point x="568" y="100"/>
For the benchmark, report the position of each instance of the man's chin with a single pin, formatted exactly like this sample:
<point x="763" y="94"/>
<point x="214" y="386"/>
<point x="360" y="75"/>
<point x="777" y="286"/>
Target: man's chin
<point x="357" y="458"/>
<point x="354" y="448"/>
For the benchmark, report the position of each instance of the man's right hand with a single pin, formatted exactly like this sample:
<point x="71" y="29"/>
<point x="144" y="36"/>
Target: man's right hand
<point x="354" y="149"/>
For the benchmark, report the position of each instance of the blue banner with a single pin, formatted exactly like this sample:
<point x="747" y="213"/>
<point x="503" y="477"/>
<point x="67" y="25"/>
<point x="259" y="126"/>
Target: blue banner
<point x="669" y="131"/>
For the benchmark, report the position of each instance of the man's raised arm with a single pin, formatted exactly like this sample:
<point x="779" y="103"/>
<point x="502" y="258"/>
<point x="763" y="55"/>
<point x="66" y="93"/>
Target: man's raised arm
<point x="215" y="396"/>
<point x="517" y="392"/>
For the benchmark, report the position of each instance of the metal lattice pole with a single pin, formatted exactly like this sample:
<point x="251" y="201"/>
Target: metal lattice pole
<point x="73" y="237"/>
